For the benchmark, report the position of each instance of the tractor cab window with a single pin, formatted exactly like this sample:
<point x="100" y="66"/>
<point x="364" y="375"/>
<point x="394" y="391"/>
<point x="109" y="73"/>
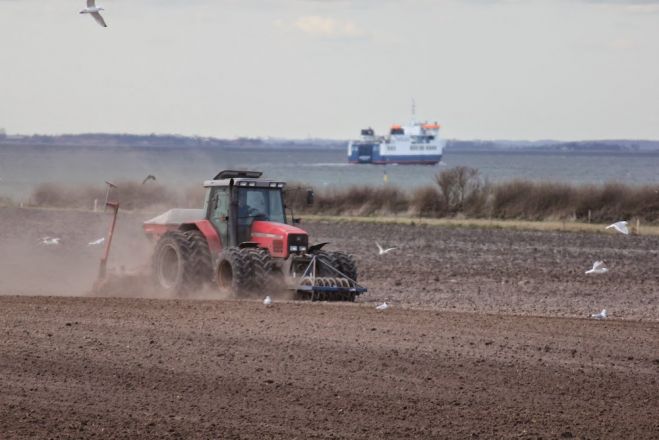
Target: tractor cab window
<point x="260" y="204"/>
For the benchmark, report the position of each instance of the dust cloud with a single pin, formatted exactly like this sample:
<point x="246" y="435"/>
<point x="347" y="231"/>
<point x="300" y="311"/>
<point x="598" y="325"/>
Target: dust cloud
<point x="70" y="267"/>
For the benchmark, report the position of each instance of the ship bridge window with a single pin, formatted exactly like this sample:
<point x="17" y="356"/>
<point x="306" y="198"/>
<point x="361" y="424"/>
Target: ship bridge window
<point x="397" y="130"/>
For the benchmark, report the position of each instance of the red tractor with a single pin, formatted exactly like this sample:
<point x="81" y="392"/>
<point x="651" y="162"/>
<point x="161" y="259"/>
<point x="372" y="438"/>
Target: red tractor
<point x="240" y="241"/>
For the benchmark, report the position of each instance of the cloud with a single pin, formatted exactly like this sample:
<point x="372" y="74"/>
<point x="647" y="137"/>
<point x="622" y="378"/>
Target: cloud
<point x="327" y="27"/>
<point x="623" y="43"/>
<point x="636" y="6"/>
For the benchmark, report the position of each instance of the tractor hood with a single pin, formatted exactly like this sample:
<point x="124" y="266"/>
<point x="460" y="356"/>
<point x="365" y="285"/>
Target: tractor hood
<point x="280" y="239"/>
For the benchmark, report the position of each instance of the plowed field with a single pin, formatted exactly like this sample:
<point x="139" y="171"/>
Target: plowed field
<point x="488" y="337"/>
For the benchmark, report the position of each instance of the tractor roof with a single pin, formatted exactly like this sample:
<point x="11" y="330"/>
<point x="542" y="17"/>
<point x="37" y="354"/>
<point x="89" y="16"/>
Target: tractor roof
<point x="242" y="178"/>
<point x="233" y="174"/>
<point x="261" y="183"/>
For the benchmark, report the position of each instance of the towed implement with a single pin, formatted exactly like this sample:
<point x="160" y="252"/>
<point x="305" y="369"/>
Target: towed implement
<point x="241" y="243"/>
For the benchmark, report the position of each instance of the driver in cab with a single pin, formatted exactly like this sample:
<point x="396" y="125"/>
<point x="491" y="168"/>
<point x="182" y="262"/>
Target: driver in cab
<point x="251" y="206"/>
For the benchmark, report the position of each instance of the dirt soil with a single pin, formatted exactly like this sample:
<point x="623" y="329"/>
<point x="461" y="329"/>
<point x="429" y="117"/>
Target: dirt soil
<point x="488" y="337"/>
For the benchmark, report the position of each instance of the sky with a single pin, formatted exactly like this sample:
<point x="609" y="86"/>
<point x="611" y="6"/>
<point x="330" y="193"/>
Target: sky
<point x="484" y="69"/>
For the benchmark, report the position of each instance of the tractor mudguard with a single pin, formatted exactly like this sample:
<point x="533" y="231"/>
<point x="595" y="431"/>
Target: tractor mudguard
<point x="317" y="247"/>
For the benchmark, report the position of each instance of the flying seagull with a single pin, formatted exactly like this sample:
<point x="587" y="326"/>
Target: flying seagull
<point x="95" y="12"/>
<point x="383" y="251"/>
<point x="383" y="306"/>
<point x="149" y="177"/>
<point x="598" y="267"/>
<point x="620" y="227"/>
<point x="49" y="241"/>
<point x="600" y="315"/>
<point x="267" y="301"/>
<point x="96" y="242"/>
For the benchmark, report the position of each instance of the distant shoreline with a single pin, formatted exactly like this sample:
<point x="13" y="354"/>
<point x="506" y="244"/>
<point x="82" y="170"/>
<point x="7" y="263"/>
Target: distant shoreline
<point x="125" y="142"/>
<point x="308" y="148"/>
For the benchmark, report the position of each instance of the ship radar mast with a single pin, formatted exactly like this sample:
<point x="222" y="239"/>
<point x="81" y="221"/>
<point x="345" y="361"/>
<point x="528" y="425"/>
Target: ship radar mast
<point x="413" y="111"/>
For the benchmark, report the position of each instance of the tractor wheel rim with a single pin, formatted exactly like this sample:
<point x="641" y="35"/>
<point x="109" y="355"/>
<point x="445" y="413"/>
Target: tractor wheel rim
<point x="225" y="276"/>
<point x="169" y="267"/>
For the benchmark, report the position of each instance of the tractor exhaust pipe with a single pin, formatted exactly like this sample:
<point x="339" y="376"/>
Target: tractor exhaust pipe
<point x="233" y="215"/>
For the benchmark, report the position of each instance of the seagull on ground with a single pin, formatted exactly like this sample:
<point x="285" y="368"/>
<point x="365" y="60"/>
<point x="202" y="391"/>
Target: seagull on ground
<point x="49" y="241"/>
<point x="382" y="251"/>
<point x="620" y="227"/>
<point x="267" y="301"/>
<point x="149" y="177"/>
<point x="598" y="267"/>
<point x="96" y="242"/>
<point x="600" y="315"/>
<point x="95" y="12"/>
<point x="383" y="306"/>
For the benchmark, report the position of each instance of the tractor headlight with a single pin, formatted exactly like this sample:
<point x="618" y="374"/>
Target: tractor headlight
<point x="293" y="248"/>
<point x="302" y="248"/>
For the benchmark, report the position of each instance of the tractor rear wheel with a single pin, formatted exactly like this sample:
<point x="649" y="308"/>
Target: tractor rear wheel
<point x="200" y="257"/>
<point x="340" y="261"/>
<point x="328" y="259"/>
<point x="234" y="271"/>
<point x="181" y="262"/>
<point x="346" y="264"/>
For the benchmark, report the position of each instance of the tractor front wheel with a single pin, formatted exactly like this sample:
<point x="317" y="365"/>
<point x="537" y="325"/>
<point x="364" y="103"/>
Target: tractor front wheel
<point x="234" y="271"/>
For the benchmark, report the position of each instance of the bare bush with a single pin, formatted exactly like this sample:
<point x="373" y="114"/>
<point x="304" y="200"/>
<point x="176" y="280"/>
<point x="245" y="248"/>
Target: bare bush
<point x="459" y="191"/>
<point x="54" y="195"/>
<point x="527" y="200"/>
<point x="426" y="202"/>
<point x="131" y="195"/>
<point x="458" y="185"/>
<point x="361" y="200"/>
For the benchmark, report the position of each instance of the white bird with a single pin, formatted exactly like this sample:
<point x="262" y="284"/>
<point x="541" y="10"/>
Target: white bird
<point x="620" y="227"/>
<point x="95" y="12"/>
<point x="49" y="241"/>
<point x="383" y="251"/>
<point x="383" y="306"/>
<point x="96" y="242"/>
<point x="267" y="301"/>
<point x="598" y="267"/>
<point x="600" y="315"/>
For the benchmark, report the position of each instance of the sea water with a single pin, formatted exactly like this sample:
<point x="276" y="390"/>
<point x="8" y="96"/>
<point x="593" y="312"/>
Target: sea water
<point x="22" y="169"/>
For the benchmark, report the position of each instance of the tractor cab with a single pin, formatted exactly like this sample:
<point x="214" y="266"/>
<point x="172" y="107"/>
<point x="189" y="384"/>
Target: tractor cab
<point x="240" y="198"/>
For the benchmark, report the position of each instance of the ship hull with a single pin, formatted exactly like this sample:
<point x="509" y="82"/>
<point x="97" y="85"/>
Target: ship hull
<point x="400" y="160"/>
<point x="370" y="152"/>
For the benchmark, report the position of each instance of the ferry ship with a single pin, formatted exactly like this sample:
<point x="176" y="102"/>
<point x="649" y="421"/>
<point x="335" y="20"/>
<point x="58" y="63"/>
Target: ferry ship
<point x="416" y="143"/>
